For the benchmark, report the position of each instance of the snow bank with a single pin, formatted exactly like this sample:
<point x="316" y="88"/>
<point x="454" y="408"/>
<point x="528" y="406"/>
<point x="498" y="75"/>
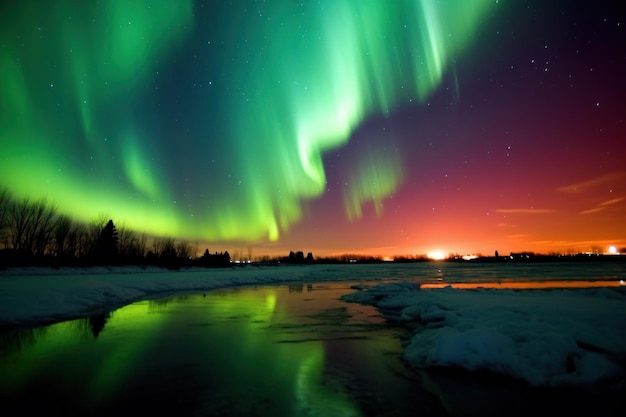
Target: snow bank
<point x="557" y="337"/>
<point x="33" y="296"/>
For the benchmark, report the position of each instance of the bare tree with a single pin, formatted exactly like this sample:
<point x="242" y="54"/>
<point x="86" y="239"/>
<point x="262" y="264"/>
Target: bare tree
<point x="78" y="241"/>
<point x="40" y="236"/>
<point x="5" y="211"/>
<point x="157" y="245"/>
<point x="62" y="229"/>
<point x="183" y="250"/>
<point x="169" y="248"/>
<point x="19" y="221"/>
<point x="164" y="247"/>
<point x="92" y="232"/>
<point x="142" y="245"/>
<point x="127" y="242"/>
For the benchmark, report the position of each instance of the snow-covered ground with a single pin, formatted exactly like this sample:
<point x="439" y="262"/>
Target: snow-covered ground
<point x="547" y="337"/>
<point x="554" y="337"/>
<point x="32" y="296"/>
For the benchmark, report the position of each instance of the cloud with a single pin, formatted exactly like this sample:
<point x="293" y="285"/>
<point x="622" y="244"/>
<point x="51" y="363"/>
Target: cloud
<point x="600" y="243"/>
<point x="601" y="206"/>
<point x="517" y="236"/>
<point x="582" y="186"/>
<point x="506" y="225"/>
<point x="613" y="201"/>
<point x="552" y="243"/>
<point x="525" y="211"/>
<point x="590" y="211"/>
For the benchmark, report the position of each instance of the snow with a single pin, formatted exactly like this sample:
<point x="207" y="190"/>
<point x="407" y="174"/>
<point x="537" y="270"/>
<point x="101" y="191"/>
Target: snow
<point x="33" y="296"/>
<point x="546" y="337"/>
<point x="555" y="337"/>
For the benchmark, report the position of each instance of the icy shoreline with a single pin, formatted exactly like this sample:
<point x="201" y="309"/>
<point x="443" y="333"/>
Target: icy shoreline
<point x="546" y="337"/>
<point x="39" y="296"/>
<point x="33" y="296"/>
<point x="549" y="338"/>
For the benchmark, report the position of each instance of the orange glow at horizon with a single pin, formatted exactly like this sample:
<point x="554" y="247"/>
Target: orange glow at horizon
<point x="437" y="255"/>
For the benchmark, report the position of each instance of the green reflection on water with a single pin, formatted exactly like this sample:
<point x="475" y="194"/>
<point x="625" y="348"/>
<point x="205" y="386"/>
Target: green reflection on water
<point x="69" y="354"/>
<point x="258" y="351"/>
<point x="113" y="367"/>
<point x="313" y="394"/>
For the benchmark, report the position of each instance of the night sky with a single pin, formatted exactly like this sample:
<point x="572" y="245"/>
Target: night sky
<point x="331" y="126"/>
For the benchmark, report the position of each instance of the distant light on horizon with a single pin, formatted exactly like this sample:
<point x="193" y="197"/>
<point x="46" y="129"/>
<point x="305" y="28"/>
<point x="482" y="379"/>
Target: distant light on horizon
<point x="613" y="250"/>
<point x="436" y="255"/>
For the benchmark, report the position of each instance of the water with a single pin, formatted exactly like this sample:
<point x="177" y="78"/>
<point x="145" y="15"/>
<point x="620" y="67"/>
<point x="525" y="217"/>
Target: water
<point x="273" y="350"/>
<point x="281" y="350"/>
<point x="456" y="272"/>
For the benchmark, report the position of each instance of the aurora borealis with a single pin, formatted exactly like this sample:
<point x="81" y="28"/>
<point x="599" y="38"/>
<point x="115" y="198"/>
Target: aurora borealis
<point x="382" y="127"/>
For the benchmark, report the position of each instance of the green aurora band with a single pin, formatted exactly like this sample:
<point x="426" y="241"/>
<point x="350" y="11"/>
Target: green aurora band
<point x="210" y="121"/>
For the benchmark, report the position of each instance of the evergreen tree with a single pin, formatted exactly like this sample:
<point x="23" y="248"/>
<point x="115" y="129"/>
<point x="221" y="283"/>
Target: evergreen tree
<point x="106" y="246"/>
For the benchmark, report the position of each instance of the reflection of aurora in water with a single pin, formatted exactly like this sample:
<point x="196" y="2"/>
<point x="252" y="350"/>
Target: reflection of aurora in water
<point x="210" y="120"/>
<point x="259" y="351"/>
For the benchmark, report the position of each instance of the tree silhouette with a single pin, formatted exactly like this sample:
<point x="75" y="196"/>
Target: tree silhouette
<point x="106" y="246"/>
<point x="62" y="229"/>
<point x="97" y="322"/>
<point x="297" y="257"/>
<point x="213" y="260"/>
<point x="5" y="206"/>
<point x="33" y="232"/>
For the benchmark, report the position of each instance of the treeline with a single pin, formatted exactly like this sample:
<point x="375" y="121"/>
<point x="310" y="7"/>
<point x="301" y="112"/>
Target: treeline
<point x="350" y="258"/>
<point x="33" y="232"/>
<point x="298" y="258"/>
